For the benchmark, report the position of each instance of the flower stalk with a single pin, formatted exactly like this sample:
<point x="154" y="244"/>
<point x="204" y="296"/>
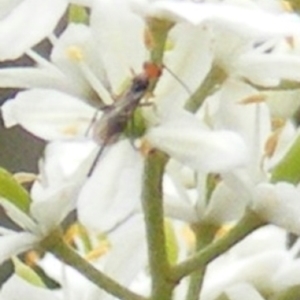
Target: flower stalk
<point x="154" y="219"/>
<point x="55" y="244"/>
<point x="204" y="234"/>
<point x="213" y="80"/>
<point x="244" y="227"/>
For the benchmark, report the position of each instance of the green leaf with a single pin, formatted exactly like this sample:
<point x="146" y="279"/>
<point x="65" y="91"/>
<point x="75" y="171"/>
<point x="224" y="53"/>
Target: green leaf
<point x="27" y="273"/>
<point x="78" y="14"/>
<point x="11" y="190"/>
<point x="171" y="242"/>
<point x="288" y="169"/>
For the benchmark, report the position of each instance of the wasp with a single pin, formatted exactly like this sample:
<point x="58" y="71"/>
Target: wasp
<point x="115" y="117"/>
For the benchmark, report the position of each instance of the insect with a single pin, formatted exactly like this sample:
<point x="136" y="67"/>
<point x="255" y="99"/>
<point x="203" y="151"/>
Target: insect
<point x="115" y="117"/>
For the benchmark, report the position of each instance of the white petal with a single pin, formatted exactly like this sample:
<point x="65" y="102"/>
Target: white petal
<point x="120" y="36"/>
<point x="283" y="104"/>
<point x="48" y="114"/>
<point x="279" y="204"/>
<point x="184" y="63"/>
<point x="17" y="288"/>
<point x="256" y="270"/>
<point x="288" y="275"/>
<point x="224" y="206"/>
<point x="28" y="77"/>
<point x="251" y="121"/>
<point x="199" y="148"/>
<point x="22" y="28"/>
<point x="127" y="239"/>
<point x="113" y="191"/>
<point x="230" y="17"/>
<point x="63" y="161"/>
<point x="263" y="240"/>
<point x="175" y="208"/>
<point x="80" y="38"/>
<point x="243" y="291"/>
<point x="14" y="244"/>
<point x="268" y="69"/>
<point x="18" y="216"/>
<point x="50" y="212"/>
<point x="76" y="285"/>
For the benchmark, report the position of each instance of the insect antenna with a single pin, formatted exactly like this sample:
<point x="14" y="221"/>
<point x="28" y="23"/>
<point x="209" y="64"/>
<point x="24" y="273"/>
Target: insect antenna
<point x="96" y="159"/>
<point x="186" y="88"/>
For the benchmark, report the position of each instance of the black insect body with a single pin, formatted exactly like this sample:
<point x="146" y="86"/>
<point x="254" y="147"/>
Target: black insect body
<point x="114" y="120"/>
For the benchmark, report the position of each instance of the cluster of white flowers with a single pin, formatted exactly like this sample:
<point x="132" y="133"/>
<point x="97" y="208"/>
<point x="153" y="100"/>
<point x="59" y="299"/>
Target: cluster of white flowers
<point x="223" y="111"/>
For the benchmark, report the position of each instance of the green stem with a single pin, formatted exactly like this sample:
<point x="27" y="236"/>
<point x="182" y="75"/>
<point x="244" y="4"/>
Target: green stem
<point x="213" y="79"/>
<point x="204" y="235"/>
<point x="247" y="224"/>
<point x="154" y="220"/>
<point x="159" y="30"/>
<point x="55" y="244"/>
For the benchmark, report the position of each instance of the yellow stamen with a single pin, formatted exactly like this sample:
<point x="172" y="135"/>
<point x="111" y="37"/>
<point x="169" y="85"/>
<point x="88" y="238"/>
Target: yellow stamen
<point x="272" y="142"/>
<point x="189" y="236"/>
<point x="257" y="98"/>
<point x="71" y="233"/>
<point x="75" y="53"/>
<point x="277" y="123"/>
<point x="98" y="252"/>
<point x="145" y="147"/>
<point x="31" y="258"/>
<point x="286" y="5"/>
<point x="71" y="130"/>
<point x="223" y="230"/>
<point x="23" y="177"/>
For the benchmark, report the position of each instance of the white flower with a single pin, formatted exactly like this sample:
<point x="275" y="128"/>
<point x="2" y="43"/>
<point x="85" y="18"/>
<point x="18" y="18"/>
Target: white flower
<point x="51" y="203"/>
<point x="24" y="23"/>
<point x="117" y="261"/>
<point x="233" y="17"/>
<point x="83" y="77"/>
<point x="278" y="204"/>
<point x="192" y="143"/>
<point x="16" y="288"/>
<point x="259" y="265"/>
<point x="241" y="46"/>
<point x="44" y="216"/>
<point x="112" y="194"/>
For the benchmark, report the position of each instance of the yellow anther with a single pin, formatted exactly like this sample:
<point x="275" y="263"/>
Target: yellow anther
<point x="98" y="252"/>
<point x="286" y="5"/>
<point x="31" y="258"/>
<point x="71" y="233"/>
<point x="257" y="98"/>
<point x="145" y="147"/>
<point x="271" y="143"/>
<point x="278" y="123"/>
<point x="75" y="53"/>
<point x="223" y="230"/>
<point x="188" y="236"/>
<point x="71" y="130"/>
<point x="23" y="177"/>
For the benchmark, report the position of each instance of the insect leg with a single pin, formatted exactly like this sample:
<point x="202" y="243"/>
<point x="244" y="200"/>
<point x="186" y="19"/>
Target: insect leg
<point x="94" y="164"/>
<point x="93" y="121"/>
